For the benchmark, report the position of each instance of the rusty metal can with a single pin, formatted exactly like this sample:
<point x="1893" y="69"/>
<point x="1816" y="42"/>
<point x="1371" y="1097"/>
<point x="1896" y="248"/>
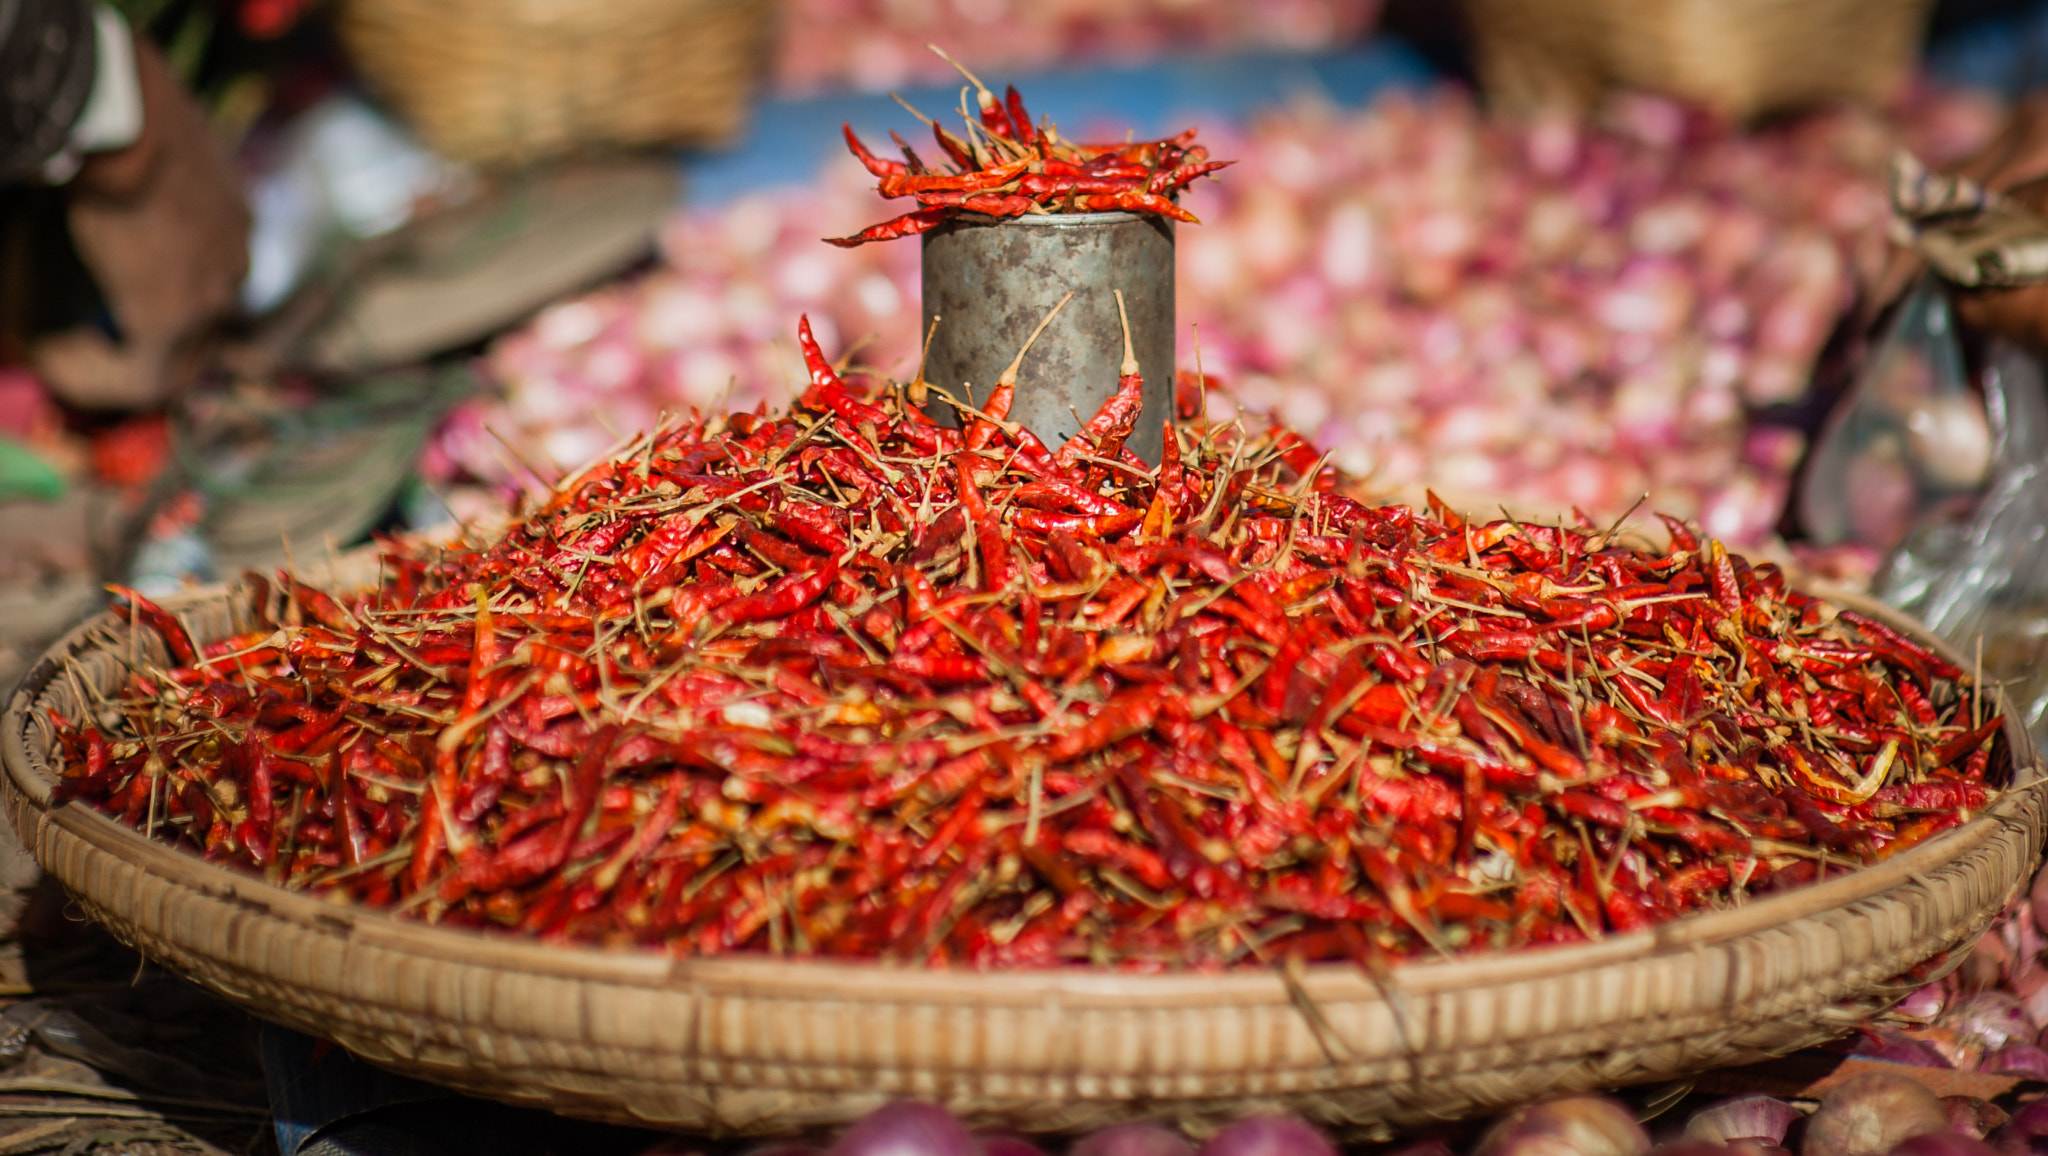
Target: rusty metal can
<point x="990" y="282"/>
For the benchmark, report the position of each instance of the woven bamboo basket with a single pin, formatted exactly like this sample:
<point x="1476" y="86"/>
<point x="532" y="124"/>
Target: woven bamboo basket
<point x="761" y="1046"/>
<point x="511" y="81"/>
<point x="1736" y="57"/>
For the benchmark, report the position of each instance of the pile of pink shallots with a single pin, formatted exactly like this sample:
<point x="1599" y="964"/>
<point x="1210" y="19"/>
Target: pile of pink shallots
<point x="876" y="45"/>
<point x="1552" y="314"/>
<point x="1874" y="1114"/>
<point x="1989" y="1014"/>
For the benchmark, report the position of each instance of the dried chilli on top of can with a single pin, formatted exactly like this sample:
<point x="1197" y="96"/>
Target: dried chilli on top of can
<point x="1007" y="166"/>
<point x="845" y="682"/>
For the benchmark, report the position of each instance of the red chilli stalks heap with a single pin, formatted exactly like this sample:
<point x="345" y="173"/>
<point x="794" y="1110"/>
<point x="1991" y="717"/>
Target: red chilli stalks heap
<point x="846" y="682"/>
<point x="1006" y="167"/>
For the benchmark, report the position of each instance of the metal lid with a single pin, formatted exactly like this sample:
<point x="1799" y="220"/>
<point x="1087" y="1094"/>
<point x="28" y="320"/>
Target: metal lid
<point x="1053" y="219"/>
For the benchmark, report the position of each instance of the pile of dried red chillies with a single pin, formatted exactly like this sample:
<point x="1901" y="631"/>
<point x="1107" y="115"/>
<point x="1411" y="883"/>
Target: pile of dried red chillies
<point x="1006" y="167"/>
<point x="846" y="682"/>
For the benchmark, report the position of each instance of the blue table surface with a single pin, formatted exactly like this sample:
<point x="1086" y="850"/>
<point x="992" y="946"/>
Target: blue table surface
<point x="2006" y="54"/>
<point x="788" y="138"/>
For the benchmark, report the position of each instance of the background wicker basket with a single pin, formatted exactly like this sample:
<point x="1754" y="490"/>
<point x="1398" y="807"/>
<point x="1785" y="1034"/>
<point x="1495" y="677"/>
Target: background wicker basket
<point x="510" y="81"/>
<point x="1737" y="57"/>
<point x="765" y="1046"/>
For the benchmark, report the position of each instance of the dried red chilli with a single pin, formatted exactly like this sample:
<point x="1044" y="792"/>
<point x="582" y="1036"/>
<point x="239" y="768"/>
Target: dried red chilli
<point x="1008" y="167"/>
<point x="832" y="683"/>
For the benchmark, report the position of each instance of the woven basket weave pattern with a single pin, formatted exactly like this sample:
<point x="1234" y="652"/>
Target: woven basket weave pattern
<point x="1737" y="57"/>
<point x="500" y="82"/>
<point x="761" y="1046"/>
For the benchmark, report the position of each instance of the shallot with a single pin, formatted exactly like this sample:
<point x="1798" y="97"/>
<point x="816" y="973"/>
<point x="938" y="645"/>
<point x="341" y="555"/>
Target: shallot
<point x="1868" y="1115"/>
<point x="1986" y="964"/>
<point x="1973" y="1117"/>
<point x="1924" y="1003"/>
<point x="2037" y="899"/>
<point x="2017" y="1060"/>
<point x="906" y="1128"/>
<point x="1942" y="1144"/>
<point x="1895" y="1046"/>
<point x="1986" y="1021"/>
<point x="2026" y="1134"/>
<point x="1754" y="1118"/>
<point x="1134" y="1140"/>
<point x="1568" y="1126"/>
<point x="1269" y="1136"/>
<point x="880" y="44"/>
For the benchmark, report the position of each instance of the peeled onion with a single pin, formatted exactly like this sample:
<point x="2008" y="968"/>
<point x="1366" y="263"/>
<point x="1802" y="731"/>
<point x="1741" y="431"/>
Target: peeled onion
<point x="1868" y="1115"/>
<point x="1754" y="1117"/>
<point x="1949" y="439"/>
<point x="1569" y="1126"/>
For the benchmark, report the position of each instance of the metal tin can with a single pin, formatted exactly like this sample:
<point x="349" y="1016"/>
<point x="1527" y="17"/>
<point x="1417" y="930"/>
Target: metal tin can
<point x="990" y="282"/>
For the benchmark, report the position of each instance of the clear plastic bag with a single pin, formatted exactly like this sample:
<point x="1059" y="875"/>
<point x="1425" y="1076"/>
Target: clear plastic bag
<point x="1909" y="448"/>
<point x="1981" y="579"/>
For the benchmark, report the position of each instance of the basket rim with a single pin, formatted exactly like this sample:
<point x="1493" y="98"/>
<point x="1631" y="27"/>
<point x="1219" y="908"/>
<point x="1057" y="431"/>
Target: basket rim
<point x="636" y="966"/>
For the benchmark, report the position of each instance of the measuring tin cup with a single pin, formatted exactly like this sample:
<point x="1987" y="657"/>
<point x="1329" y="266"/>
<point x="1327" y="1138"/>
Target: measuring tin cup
<point x="991" y="281"/>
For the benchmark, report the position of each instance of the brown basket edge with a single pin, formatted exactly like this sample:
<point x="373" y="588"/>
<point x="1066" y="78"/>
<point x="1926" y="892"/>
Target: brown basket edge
<point x="1764" y="1026"/>
<point x="456" y="86"/>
